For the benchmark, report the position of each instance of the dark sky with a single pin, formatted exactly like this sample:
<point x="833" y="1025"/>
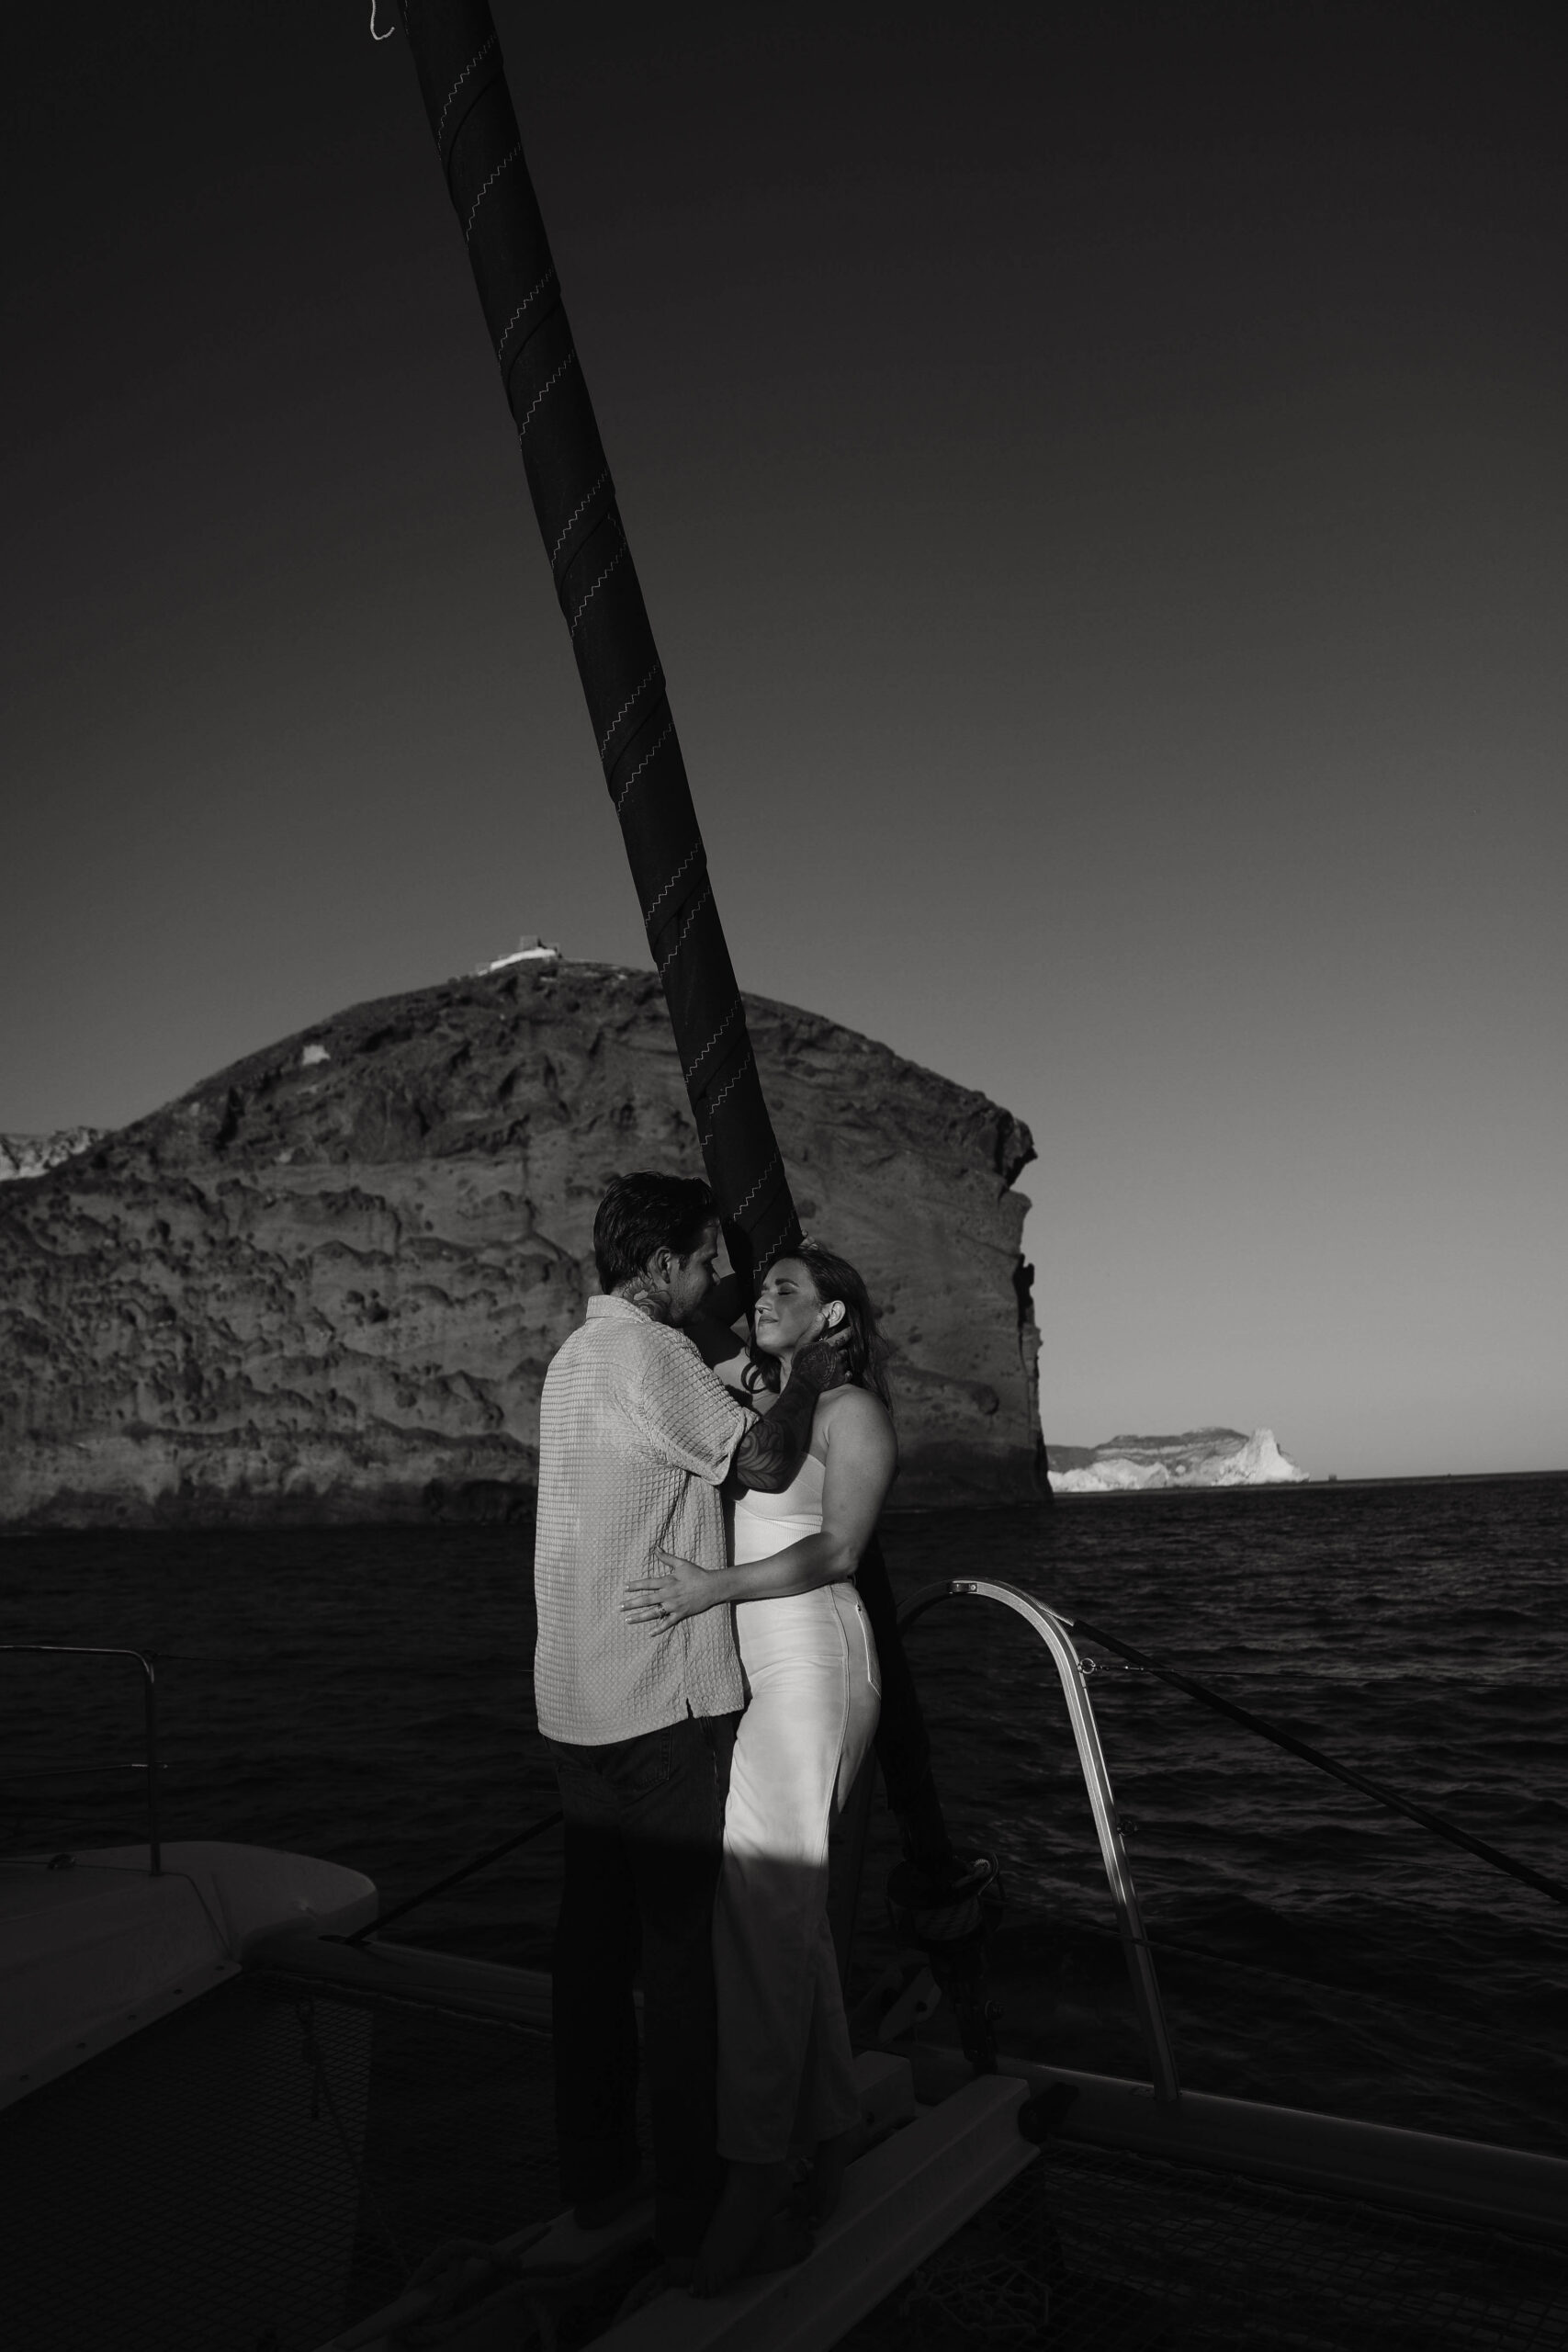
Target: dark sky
<point x="1097" y="477"/>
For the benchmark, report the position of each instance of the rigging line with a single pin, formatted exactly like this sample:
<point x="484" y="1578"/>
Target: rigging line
<point x="1436" y="1822"/>
<point x="1398" y="2003"/>
<point x="453" y="1878"/>
<point x="305" y="2017"/>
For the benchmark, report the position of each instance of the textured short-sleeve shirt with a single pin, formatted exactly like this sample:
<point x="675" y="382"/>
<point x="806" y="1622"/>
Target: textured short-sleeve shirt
<point x="636" y="1437"/>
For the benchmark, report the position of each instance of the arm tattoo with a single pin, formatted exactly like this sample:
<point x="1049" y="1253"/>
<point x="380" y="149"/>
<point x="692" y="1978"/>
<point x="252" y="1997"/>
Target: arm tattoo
<point x="773" y="1450"/>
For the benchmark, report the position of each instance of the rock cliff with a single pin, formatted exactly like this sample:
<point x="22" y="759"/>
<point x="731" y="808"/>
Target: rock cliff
<point x="1198" y="1458"/>
<point x="325" y="1283"/>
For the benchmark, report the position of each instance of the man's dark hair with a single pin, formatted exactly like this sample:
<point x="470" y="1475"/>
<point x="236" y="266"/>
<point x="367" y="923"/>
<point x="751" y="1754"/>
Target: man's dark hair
<point x="645" y="1212"/>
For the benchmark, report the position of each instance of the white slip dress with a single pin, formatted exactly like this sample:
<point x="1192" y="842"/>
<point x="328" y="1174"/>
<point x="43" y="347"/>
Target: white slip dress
<point x="786" y="2068"/>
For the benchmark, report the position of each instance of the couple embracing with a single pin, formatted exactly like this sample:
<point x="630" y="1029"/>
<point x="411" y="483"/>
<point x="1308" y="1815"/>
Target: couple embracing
<point x="708" y="1700"/>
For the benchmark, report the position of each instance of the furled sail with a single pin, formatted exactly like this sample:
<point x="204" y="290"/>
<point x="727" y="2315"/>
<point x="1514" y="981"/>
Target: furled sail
<point x="457" y="56"/>
<point x="459" y="59"/>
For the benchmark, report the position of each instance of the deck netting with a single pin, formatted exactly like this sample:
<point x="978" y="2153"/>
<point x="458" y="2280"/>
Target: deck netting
<point x="270" y="2164"/>
<point x="263" y="2168"/>
<point x="1125" y="2252"/>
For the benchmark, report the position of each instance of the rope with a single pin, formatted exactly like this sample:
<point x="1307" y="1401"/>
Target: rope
<point x="310" y="2051"/>
<point x="453" y="1878"/>
<point x="1436" y="1822"/>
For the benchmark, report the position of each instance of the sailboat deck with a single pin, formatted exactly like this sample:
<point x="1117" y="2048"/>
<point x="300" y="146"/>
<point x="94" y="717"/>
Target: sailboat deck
<point x="1134" y="2251"/>
<point x="269" y="2165"/>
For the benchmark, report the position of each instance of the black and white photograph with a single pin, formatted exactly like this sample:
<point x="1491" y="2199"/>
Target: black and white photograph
<point x="783" y="1176"/>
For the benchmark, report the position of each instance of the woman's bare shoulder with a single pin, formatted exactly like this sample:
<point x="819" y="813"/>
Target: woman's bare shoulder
<point x="851" y="1411"/>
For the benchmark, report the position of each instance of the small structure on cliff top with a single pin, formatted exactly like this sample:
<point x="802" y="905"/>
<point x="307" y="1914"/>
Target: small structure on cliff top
<point x="326" y="1285"/>
<point x="527" y="951"/>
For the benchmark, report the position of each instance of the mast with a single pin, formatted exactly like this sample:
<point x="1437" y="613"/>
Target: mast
<point x="943" y="1901"/>
<point x="461" y="76"/>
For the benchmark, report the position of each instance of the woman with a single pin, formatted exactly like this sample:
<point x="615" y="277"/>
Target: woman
<point x="805" y="1642"/>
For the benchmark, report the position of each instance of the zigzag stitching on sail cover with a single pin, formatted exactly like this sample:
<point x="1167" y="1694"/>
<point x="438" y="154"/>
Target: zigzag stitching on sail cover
<point x="726" y="1088"/>
<point x="532" y="296"/>
<point x="510" y="157"/>
<point x="703" y="898"/>
<point x="660" y="896"/>
<point x="589" y="496"/>
<point x="649" y="756"/>
<point x="741" y="1206"/>
<point x="478" y="59"/>
<point x="619" y="556"/>
<point x="548" y="385"/>
<point x="765" y="1253"/>
<point x="637" y="693"/>
<point x="700" y="1058"/>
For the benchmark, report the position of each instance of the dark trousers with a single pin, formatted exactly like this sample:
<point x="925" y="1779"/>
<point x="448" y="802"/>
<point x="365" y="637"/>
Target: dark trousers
<point x="644" y="1831"/>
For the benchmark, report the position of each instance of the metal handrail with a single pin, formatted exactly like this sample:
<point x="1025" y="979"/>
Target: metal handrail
<point x="1053" y="1631"/>
<point x="150" y="1723"/>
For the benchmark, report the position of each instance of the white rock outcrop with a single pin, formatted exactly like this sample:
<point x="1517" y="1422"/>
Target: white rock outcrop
<point x="1198" y="1458"/>
<point x="22" y="1156"/>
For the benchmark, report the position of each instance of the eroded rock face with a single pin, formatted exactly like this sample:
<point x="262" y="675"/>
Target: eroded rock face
<point x="326" y="1283"/>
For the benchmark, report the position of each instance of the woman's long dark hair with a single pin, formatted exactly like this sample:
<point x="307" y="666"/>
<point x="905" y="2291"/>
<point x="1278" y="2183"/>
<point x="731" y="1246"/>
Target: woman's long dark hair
<point x="835" y="1278"/>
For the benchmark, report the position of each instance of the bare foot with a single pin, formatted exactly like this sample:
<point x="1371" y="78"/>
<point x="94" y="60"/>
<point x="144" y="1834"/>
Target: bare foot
<point x="827" y="2175"/>
<point x="751" y="2195"/>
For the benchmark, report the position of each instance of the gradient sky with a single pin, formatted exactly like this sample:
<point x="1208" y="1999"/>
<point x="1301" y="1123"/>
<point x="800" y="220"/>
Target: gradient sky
<point x="1098" y="476"/>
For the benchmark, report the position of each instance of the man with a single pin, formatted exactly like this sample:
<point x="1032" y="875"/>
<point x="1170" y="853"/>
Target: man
<point x="636" y="1435"/>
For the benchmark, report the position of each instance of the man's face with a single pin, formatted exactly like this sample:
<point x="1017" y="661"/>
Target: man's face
<point x="691" y="1279"/>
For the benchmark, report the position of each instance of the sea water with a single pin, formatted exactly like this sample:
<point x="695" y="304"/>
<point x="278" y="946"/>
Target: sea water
<point x="365" y="1694"/>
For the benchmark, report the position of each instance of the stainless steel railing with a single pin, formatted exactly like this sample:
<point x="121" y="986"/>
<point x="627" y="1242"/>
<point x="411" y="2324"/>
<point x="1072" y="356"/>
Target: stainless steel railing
<point x="148" y="1715"/>
<point x="1054" y="1632"/>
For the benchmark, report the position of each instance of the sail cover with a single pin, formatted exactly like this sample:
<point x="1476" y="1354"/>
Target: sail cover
<point x="457" y="56"/>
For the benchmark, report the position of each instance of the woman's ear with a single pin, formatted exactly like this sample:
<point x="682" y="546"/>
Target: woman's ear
<point x="835" y="1314"/>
